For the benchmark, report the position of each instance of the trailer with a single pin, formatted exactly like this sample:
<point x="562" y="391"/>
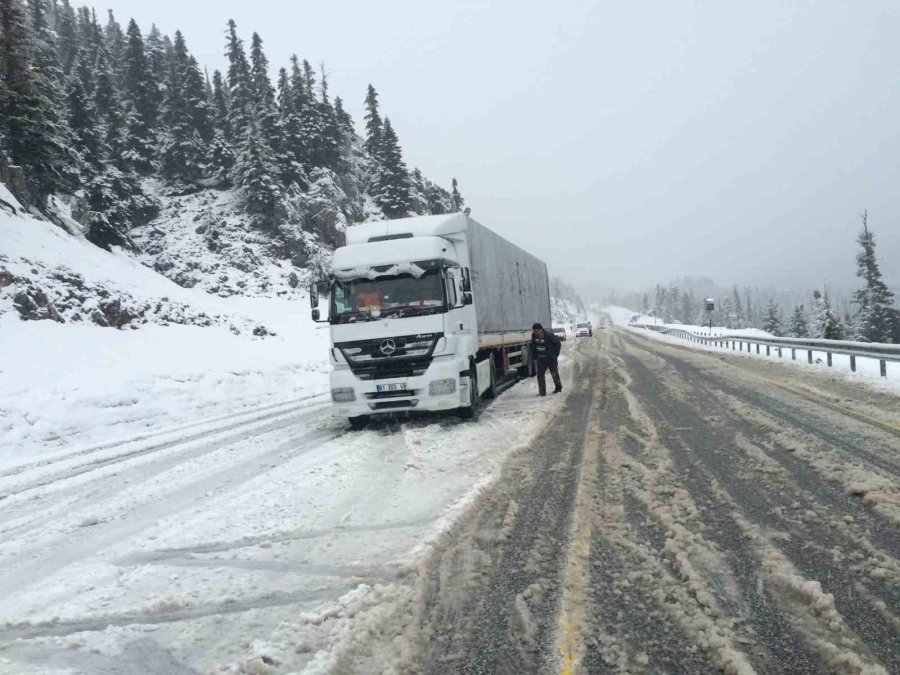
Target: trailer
<point x="428" y="313"/>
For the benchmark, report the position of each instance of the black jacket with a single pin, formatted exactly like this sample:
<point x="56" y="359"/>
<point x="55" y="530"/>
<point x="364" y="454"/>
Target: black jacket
<point x="547" y="347"/>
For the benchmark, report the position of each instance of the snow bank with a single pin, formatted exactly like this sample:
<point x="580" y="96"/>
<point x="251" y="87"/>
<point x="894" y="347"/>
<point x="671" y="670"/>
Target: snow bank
<point x="867" y="370"/>
<point x="68" y="382"/>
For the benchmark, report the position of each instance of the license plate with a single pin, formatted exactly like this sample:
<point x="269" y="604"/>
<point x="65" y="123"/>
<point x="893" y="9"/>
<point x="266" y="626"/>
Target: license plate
<point x="390" y="387"/>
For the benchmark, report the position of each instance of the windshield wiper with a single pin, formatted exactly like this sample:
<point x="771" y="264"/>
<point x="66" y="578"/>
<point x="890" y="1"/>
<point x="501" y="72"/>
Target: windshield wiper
<point x="408" y="310"/>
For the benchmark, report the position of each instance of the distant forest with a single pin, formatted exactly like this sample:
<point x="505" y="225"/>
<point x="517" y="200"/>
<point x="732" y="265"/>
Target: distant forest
<point x="868" y="314"/>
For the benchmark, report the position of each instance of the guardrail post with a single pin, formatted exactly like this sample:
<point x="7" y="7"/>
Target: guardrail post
<point x="779" y="352"/>
<point x="757" y="348"/>
<point x="793" y="354"/>
<point x="883" y="368"/>
<point x="828" y="354"/>
<point x="809" y="353"/>
<point x="768" y="351"/>
<point x="853" y="363"/>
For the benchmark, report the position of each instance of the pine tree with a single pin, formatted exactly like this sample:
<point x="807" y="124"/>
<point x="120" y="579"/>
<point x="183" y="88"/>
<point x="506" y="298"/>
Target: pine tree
<point x="292" y="155"/>
<point x="33" y="134"/>
<point x="185" y="118"/>
<point x="799" y="323"/>
<point x="83" y="118"/>
<point x="456" y="199"/>
<point x="392" y="182"/>
<point x="140" y="94"/>
<point x="255" y="172"/>
<point x="772" y="321"/>
<point x="240" y="93"/>
<point x="220" y="105"/>
<point x="374" y="125"/>
<point x="265" y="110"/>
<point x="343" y="117"/>
<point x="68" y="38"/>
<point x="875" y="316"/>
<point x="826" y="324"/>
<point x="740" y="317"/>
<point x="728" y="314"/>
<point x="155" y="48"/>
<point x="114" y="39"/>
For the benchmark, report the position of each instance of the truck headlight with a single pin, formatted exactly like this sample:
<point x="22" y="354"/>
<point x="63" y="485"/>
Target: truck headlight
<point x="441" y="387"/>
<point x="343" y="394"/>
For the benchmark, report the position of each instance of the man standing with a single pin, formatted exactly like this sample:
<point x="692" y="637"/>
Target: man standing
<point x="546" y="347"/>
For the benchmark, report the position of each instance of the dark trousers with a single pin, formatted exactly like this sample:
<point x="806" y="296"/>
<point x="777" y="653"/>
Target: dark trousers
<point x="543" y="365"/>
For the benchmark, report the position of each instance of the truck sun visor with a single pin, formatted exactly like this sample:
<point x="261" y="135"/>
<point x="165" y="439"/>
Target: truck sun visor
<point x="413" y="268"/>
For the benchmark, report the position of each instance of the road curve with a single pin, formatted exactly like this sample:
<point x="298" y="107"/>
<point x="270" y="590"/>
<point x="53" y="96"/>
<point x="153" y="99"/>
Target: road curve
<point x="687" y="512"/>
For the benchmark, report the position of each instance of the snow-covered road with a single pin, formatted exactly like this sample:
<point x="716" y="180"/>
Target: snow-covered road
<point x="261" y="540"/>
<point x="676" y="511"/>
<point x="686" y="513"/>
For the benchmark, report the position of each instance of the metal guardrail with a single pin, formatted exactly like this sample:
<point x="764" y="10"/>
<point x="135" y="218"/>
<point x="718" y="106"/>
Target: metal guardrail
<point x="878" y="351"/>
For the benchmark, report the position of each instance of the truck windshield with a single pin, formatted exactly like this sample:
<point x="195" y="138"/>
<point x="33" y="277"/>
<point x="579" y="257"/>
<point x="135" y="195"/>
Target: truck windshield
<point x="387" y="297"/>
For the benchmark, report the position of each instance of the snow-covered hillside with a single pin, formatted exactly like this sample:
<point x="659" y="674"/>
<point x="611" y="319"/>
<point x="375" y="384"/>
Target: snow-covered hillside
<point x="72" y="380"/>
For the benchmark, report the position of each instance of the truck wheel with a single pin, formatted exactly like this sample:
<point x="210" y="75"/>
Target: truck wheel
<point x="358" y="422"/>
<point x="492" y="389"/>
<point x="468" y="412"/>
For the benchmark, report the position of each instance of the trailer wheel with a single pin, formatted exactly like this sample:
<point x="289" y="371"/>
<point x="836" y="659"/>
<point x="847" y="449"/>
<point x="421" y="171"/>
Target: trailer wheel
<point x="358" y="423"/>
<point x="468" y="412"/>
<point x="492" y="389"/>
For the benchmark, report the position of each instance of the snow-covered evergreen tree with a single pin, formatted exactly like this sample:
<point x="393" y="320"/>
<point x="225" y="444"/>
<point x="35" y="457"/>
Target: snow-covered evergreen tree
<point x="374" y="125"/>
<point x="772" y="321"/>
<point x="240" y="94"/>
<point x="825" y="324"/>
<point x="140" y="94"/>
<point x="33" y="133"/>
<point x="255" y="173"/>
<point x="799" y="327"/>
<point x="875" y="314"/>
<point x="456" y="199"/>
<point x="392" y="192"/>
<point x="186" y="118"/>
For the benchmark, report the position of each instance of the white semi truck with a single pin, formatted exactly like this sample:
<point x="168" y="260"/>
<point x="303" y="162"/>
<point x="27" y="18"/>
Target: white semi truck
<point x="428" y="313"/>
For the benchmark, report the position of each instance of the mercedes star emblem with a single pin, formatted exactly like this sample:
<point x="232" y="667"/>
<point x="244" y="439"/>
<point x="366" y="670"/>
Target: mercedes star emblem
<point x="388" y="347"/>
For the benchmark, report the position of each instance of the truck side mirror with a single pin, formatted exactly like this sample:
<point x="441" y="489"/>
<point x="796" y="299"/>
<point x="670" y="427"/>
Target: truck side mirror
<point x="314" y="294"/>
<point x="315" y="314"/>
<point x="467" y="298"/>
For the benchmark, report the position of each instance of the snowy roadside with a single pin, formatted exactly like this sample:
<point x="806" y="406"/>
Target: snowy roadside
<point x="265" y="547"/>
<point x="867" y="370"/>
<point x="69" y="387"/>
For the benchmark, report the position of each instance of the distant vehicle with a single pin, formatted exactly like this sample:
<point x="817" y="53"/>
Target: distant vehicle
<point x="584" y="329"/>
<point x="560" y="333"/>
<point x="428" y="313"/>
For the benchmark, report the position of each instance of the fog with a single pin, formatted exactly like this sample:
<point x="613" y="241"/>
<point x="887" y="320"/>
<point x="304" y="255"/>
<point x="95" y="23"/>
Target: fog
<point x="625" y="143"/>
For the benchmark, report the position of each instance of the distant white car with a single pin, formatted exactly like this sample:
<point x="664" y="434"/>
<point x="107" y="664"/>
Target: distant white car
<point x="584" y="329"/>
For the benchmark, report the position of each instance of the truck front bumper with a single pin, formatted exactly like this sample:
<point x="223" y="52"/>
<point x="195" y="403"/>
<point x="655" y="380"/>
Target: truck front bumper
<point x="441" y="387"/>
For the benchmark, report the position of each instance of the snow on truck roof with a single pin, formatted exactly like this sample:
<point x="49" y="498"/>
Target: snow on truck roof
<point x="418" y="226"/>
<point x="357" y="257"/>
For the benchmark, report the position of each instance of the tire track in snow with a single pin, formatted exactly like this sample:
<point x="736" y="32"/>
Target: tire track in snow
<point x="73" y="544"/>
<point x="228" y="433"/>
<point x="707" y="453"/>
<point x="34" y="507"/>
<point x="605" y="621"/>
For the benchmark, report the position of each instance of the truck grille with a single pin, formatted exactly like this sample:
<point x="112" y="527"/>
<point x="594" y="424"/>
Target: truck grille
<point x="394" y="357"/>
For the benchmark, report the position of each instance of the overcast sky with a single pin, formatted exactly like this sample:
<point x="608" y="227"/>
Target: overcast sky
<point x="624" y="142"/>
